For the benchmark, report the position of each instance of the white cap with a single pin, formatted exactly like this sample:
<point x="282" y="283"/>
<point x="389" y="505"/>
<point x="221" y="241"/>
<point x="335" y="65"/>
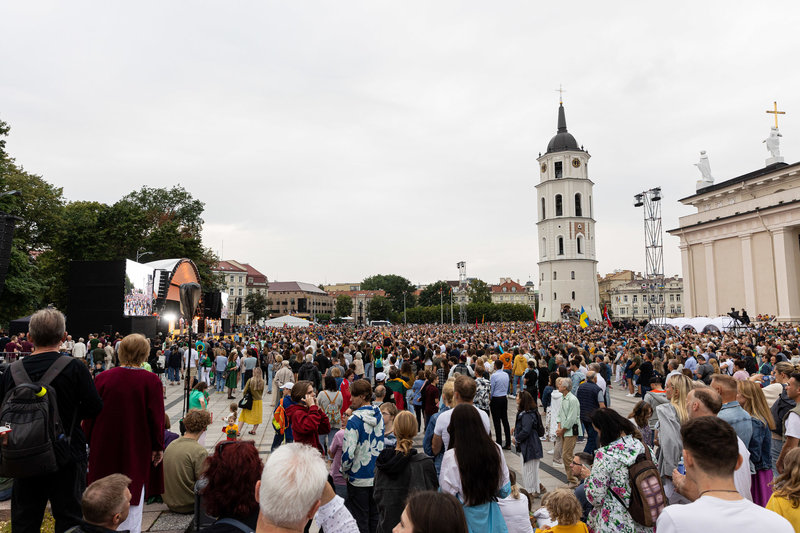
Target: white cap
<point x="288" y="385"/>
<point x="380" y="376"/>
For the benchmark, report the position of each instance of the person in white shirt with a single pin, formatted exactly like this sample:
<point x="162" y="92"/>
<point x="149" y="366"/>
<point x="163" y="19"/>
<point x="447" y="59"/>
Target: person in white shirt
<point x="79" y="350"/>
<point x="711" y="455"/>
<point x="464" y="392"/>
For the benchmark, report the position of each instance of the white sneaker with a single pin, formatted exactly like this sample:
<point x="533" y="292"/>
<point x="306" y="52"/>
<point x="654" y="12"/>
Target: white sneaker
<point x="629" y="395"/>
<point x="550" y="452"/>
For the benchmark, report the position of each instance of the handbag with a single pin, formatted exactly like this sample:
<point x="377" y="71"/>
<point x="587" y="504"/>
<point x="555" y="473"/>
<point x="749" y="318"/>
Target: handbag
<point x="246" y="402"/>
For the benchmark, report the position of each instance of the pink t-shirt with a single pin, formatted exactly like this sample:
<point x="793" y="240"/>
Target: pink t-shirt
<point x="336" y="464"/>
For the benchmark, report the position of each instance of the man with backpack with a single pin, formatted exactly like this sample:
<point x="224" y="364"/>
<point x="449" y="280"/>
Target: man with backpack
<point x="63" y="394"/>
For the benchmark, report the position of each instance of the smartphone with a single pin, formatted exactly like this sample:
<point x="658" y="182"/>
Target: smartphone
<point x="4" y="429"/>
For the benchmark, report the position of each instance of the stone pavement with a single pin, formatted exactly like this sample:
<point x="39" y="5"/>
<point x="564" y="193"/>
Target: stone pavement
<point x="157" y="518"/>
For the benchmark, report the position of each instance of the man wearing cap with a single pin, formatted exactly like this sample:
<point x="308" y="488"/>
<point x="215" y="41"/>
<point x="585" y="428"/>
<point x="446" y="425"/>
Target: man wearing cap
<point x="380" y="378"/>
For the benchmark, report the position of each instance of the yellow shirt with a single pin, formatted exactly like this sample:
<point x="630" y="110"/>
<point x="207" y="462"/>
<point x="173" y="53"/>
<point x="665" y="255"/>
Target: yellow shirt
<point x="520" y="365"/>
<point x="578" y="527"/>
<point x="783" y="507"/>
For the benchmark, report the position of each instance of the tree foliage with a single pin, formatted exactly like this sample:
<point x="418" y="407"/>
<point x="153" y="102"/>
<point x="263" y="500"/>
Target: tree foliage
<point x="257" y="304"/>
<point x="379" y="308"/>
<point x="394" y="286"/>
<point x="344" y="305"/>
<point x="434" y="294"/>
<point x="479" y="292"/>
<point x="475" y="312"/>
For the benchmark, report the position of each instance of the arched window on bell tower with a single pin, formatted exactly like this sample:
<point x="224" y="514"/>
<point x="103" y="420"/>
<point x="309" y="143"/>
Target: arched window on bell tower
<point x="544" y="210"/>
<point x="561" y="246"/>
<point x="559" y="206"/>
<point x="578" y="206"/>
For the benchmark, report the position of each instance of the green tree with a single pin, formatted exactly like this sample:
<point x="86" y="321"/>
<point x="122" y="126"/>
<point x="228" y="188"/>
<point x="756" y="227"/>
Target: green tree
<point x="479" y="292"/>
<point x="395" y="287"/>
<point x="257" y="304"/>
<point x="344" y="305"/>
<point x="430" y="295"/>
<point x="379" y="308"/>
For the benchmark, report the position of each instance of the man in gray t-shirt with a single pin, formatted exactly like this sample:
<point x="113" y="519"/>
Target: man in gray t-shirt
<point x="248" y="365"/>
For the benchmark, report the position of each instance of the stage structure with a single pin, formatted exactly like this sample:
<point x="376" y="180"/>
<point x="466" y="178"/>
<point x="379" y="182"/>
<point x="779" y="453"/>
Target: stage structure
<point x="654" y="253"/>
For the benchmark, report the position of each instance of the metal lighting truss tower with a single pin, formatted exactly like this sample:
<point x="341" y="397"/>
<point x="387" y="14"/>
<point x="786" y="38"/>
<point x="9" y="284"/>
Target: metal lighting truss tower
<point x="462" y="287"/>
<point x="654" y="254"/>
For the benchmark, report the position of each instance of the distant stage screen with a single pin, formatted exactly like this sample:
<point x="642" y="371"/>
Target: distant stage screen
<point x="223" y="313"/>
<point x="139" y="293"/>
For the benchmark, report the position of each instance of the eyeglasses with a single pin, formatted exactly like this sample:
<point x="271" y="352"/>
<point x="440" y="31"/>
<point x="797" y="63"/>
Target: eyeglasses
<point x="576" y="464"/>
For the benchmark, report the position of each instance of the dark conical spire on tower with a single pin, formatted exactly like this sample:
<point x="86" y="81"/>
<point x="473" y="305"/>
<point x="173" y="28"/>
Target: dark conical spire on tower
<point x="563" y="140"/>
<point x="562" y="119"/>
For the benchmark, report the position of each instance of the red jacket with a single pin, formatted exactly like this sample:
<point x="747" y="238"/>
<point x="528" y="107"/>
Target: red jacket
<point x="307" y="424"/>
<point x="344" y="388"/>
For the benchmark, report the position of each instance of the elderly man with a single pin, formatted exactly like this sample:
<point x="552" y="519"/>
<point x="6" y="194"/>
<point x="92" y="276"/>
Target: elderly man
<point x="294" y="489"/>
<point x="77" y="400"/>
<point x="569" y="426"/>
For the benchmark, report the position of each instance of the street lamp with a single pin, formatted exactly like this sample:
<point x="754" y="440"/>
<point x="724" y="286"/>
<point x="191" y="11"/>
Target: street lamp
<point x="404" y="307"/>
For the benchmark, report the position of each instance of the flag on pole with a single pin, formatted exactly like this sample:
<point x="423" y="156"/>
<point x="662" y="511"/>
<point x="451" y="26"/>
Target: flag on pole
<point x="535" y="320"/>
<point x="584" y="318"/>
<point x="605" y="315"/>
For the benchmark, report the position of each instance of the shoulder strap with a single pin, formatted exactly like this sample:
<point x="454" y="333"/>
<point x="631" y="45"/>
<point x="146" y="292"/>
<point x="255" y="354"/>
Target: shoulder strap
<point x="19" y="374"/>
<point x="55" y="369"/>
<point x="235" y="523"/>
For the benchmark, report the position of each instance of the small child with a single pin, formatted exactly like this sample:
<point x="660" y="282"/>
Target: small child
<point x="641" y="417"/>
<point x="231" y="428"/>
<point x="98" y="367"/>
<point x="565" y="509"/>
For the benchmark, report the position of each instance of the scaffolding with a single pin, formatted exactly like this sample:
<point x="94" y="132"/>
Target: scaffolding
<point x="462" y="287"/>
<point x="654" y="254"/>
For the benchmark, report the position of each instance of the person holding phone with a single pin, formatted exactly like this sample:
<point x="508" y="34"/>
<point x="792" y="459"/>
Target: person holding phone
<point x="307" y="419"/>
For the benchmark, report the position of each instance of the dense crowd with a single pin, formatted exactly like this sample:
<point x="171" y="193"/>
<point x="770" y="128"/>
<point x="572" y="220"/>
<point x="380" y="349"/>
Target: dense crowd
<point x="711" y="442"/>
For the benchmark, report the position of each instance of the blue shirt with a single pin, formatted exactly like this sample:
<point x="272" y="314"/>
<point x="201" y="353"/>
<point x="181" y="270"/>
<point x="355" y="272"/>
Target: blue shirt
<point x="736" y="416"/>
<point x="690" y="364"/>
<point x="499" y="383"/>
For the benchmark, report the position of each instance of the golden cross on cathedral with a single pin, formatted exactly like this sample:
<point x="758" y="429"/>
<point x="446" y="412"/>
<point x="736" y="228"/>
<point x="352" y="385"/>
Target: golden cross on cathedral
<point x="561" y="92"/>
<point x="776" y="113"/>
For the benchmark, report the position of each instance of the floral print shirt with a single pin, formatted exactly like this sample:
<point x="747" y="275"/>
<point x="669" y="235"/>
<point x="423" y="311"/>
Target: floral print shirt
<point x="610" y="473"/>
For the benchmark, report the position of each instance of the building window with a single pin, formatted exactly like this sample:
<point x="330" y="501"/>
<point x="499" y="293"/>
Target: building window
<point x="232" y="278"/>
<point x="635" y="298"/>
<point x="241" y="278"/>
<point x="559" y="169"/>
<point x="579" y="243"/>
<point x="671" y="297"/>
<point x="231" y="290"/>
<point x="555" y="275"/>
<point x="678" y="299"/>
<point x="544" y="247"/>
<point x="572" y="275"/>
<point x="542" y="276"/>
<point x="561" y="246"/>
<point x="578" y="207"/>
<point x="240" y="292"/>
<point x="555" y="296"/>
<point x="625" y="298"/>
<point x="559" y="208"/>
<point x="544" y="212"/>
<point x="679" y="308"/>
<point x="573" y="295"/>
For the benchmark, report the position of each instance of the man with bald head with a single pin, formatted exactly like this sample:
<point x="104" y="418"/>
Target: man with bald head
<point x="705" y="401"/>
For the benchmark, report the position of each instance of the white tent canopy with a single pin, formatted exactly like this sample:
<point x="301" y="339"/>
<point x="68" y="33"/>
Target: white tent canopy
<point x="698" y="323"/>
<point x="287" y="320"/>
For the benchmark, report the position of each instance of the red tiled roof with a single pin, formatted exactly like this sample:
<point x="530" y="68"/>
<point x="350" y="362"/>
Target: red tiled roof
<point x="226" y="266"/>
<point x="508" y="285"/>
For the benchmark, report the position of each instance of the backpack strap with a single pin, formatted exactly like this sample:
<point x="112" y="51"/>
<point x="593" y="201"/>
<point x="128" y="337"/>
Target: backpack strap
<point x="19" y="374"/>
<point x="55" y="369"/>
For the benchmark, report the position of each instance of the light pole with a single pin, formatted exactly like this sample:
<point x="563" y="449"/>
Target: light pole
<point x="441" y="306"/>
<point x="654" y="251"/>
<point x="404" y="307"/>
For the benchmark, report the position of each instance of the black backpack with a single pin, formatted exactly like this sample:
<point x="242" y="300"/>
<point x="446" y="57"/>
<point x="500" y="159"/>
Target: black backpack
<point x="780" y="410"/>
<point x="461" y="368"/>
<point x="37" y="443"/>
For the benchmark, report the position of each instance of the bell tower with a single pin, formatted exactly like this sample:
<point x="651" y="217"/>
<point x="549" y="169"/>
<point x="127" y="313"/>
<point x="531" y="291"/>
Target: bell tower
<point x="567" y="264"/>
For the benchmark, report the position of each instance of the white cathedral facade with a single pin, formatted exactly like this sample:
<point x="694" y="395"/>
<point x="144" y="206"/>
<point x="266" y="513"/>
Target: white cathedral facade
<point x="567" y="264"/>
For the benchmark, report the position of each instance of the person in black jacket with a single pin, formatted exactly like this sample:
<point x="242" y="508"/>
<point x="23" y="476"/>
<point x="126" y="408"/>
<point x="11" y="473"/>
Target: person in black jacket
<point x="528" y="442"/>
<point x="77" y="400"/>
<point x="399" y="472"/>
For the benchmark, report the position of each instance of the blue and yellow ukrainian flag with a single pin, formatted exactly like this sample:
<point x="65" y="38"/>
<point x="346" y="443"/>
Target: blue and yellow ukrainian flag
<point x="584" y="318"/>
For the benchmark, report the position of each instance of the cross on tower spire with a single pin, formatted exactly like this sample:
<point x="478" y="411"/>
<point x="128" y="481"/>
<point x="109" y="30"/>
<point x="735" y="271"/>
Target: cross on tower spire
<point x="561" y="92"/>
<point x="775" y="112"/>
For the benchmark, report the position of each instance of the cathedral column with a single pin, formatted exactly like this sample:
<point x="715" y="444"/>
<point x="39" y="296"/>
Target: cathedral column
<point x="688" y="282"/>
<point x="711" y="279"/>
<point x="785" y="274"/>
<point x="748" y="273"/>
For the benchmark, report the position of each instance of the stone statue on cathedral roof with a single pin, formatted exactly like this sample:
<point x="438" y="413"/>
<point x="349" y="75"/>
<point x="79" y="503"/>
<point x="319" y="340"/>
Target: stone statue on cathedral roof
<point x="773" y="142"/>
<point x="705" y="170"/>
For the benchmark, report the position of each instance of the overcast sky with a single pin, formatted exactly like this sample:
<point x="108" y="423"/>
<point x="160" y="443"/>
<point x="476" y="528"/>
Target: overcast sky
<point x="331" y="141"/>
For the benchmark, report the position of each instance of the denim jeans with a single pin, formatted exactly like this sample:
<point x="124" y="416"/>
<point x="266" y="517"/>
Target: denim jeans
<point x="269" y="378"/>
<point x="219" y="381"/>
<point x="591" y="438"/>
<point x="775" y="452"/>
<point x="515" y="380"/>
<point x="510" y="379"/>
<point x="173" y="375"/>
<point x="368" y="372"/>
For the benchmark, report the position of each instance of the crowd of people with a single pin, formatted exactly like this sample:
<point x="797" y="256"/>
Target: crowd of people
<point x="714" y="431"/>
